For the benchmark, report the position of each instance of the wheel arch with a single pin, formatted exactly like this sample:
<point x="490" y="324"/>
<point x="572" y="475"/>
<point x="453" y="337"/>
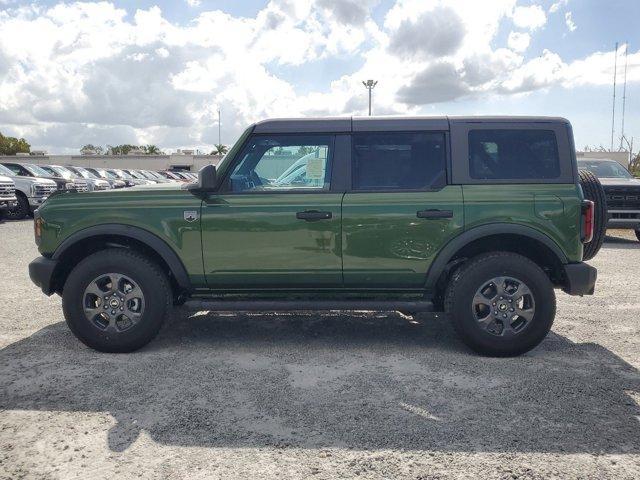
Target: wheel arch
<point x="90" y="240"/>
<point x="521" y="239"/>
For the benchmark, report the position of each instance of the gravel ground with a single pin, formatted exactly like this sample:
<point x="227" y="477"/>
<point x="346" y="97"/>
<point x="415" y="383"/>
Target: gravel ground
<point x="364" y="395"/>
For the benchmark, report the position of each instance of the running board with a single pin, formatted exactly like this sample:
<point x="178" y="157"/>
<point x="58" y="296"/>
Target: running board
<point x="302" y="305"/>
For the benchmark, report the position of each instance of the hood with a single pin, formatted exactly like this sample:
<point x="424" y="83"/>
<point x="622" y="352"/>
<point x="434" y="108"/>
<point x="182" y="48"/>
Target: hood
<point x="5" y="179"/>
<point x="620" y="182"/>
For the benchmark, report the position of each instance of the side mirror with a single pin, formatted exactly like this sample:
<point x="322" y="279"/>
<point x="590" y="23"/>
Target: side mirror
<point x="207" y="180"/>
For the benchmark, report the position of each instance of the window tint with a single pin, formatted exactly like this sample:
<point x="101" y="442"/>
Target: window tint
<point x="398" y="161"/>
<point x="513" y="154"/>
<point x="283" y="162"/>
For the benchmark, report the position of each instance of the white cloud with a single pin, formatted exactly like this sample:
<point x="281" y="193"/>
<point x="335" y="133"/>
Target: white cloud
<point x="193" y="3"/>
<point x="518" y="41"/>
<point x="569" y="21"/>
<point x="92" y="70"/>
<point x="531" y="17"/>
<point x="558" y="5"/>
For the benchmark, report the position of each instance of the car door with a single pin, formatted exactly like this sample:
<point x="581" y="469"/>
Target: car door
<point x="399" y="211"/>
<point x="276" y="220"/>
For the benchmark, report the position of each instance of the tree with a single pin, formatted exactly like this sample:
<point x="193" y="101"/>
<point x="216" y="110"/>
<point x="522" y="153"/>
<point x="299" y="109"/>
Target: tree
<point x="220" y="149"/>
<point x="152" y="150"/>
<point x="12" y="145"/>
<point x="119" y="149"/>
<point x="89" y="147"/>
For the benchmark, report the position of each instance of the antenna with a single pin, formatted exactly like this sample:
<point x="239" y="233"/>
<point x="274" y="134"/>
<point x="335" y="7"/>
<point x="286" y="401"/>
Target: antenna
<point x="624" y="90"/>
<point x="613" y="114"/>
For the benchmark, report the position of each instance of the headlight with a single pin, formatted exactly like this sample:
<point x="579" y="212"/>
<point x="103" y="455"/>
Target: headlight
<point x="33" y="189"/>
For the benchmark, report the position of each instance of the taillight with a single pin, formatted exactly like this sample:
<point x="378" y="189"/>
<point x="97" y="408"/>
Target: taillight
<point x="588" y="219"/>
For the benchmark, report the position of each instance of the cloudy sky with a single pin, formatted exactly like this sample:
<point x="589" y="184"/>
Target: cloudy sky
<point x="154" y="71"/>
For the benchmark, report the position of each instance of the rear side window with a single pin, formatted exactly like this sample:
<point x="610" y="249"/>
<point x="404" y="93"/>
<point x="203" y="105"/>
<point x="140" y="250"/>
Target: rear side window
<point x="508" y="154"/>
<point x="398" y="161"/>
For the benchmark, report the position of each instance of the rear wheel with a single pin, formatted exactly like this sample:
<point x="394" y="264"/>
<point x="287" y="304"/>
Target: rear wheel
<point x="116" y="300"/>
<point x="501" y="304"/>
<point x="638" y="234"/>
<point x="21" y="210"/>
<point x="593" y="191"/>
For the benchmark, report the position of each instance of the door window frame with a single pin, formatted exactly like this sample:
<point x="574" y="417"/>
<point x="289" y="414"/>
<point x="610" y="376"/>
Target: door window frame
<point x="225" y="184"/>
<point x="446" y="164"/>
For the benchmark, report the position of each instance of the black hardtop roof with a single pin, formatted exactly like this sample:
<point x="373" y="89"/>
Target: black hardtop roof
<point x="355" y="124"/>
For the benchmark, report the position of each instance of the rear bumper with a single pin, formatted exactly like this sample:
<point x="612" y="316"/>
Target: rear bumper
<point x="41" y="272"/>
<point x="580" y="279"/>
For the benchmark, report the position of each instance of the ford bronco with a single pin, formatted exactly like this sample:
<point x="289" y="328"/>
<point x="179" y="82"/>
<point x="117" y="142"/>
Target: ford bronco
<point x="479" y="217"/>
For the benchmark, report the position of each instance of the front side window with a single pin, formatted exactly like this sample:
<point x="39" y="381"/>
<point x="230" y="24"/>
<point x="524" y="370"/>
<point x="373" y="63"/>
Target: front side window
<point x="510" y="154"/>
<point x="398" y="161"/>
<point x="283" y="162"/>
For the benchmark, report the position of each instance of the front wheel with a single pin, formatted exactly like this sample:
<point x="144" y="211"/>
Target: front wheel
<point x="116" y="300"/>
<point x="501" y="304"/>
<point x="21" y="210"/>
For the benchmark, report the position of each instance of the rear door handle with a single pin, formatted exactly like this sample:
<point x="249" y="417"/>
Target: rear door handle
<point x="433" y="214"/>
<point x="313" y="215"/>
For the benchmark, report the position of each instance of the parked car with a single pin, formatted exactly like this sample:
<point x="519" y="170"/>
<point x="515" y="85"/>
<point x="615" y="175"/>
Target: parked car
<point x="478" y="217"/>
<point x="58" y="171"/>
<point x="32" y="170"/>
<point x="622" y="192"/>
<point x="31" y="192"/>
<point x="172" y="176"/>
<point x="136" y="175"/>
<point x="114" y="180"/>
<point x="94" y="182"/>
<point x="155" y="176"/>
<point x="8" y="200"/>
<point x="129" y="180"/>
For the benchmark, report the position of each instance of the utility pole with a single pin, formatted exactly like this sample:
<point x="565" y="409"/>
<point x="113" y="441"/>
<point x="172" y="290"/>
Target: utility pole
<point x="624" y="89"/>
<point x="219" y="129"/>
<point x="370" y="85"/>
<point x="613" y="114"/>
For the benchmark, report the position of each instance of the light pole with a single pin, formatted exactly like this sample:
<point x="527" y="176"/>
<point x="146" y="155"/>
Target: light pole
<point x="370" y="85"/>
<point x="219" y="136"/>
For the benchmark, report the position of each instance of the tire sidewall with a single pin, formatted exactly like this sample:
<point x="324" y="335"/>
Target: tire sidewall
<point x="21" y="210"/>
<point x="521" y="269"/>
<point x="148" y="279"/>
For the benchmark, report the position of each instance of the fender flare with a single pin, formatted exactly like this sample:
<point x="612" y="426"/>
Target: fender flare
<point x="445" y="255"/>
<point x="151" y="240"/>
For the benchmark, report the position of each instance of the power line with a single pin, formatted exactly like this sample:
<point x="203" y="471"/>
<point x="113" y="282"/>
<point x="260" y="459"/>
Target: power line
<point x="613" y="114"/>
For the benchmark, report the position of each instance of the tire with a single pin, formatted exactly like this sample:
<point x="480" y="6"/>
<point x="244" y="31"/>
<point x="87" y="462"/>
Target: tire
<point x="593" y="191"/>
<point x="22" y="210"/>
<point x="638" y="234"/>
<point x="522" y="334"/>
<point x="109" y="330"/>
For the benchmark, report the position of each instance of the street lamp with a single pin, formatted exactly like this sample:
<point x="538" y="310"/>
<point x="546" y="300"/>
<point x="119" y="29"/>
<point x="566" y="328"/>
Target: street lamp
<point x="370" y="85"/>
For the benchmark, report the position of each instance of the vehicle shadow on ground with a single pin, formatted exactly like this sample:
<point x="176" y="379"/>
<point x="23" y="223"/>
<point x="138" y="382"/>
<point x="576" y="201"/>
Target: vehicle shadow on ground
<point x="364" y="381"/>
<point x="618" y="241"/>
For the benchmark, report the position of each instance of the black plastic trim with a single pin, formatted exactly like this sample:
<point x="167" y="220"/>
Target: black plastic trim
<point x="41" y="272"/>
<point x="151" y="240"/>
<point x="449" y="250"/>
<point x="581" y="279"/>
<point x="302" y="305"/>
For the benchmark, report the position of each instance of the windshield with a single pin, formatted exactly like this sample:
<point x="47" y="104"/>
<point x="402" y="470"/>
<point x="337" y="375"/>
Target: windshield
<point x="6" y="172"/>
<point x="36" y="170"/>
<point x="51" y="172"/>
<point x="605" y="169"/>
<point x="85" y="173"/>
<point x="137" y="175"/>
<point x="122" y="174"/>
<point x="64" y="172"/>
<point x="225" y="162"/>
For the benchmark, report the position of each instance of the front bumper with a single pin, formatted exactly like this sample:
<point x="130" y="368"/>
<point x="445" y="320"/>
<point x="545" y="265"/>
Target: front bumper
<point x="580" y="279"/>
<point x="7" y="204"/>
<point x="41" y="272"/>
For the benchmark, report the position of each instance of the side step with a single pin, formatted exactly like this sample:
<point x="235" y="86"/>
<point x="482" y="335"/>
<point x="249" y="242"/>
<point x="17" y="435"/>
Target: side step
<point x="302" y="305"/>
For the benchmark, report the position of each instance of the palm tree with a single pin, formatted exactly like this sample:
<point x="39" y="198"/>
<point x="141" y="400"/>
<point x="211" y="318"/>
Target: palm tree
<point x="220" y="149"/>
<point x="152" y="150"/>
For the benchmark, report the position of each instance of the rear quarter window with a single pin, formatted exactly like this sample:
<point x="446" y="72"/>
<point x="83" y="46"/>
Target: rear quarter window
<point x="510" y="154"/>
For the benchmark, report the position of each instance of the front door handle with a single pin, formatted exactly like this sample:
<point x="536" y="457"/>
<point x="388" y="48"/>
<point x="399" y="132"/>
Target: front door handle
<point x="434" y="214"/>
<point x="313" y="215"/>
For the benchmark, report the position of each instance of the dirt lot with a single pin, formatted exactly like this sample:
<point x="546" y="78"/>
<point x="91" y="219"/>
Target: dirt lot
<point x="363" y="395"/>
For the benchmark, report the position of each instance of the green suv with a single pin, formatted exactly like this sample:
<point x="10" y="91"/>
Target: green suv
<point x="479" y="217"/>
